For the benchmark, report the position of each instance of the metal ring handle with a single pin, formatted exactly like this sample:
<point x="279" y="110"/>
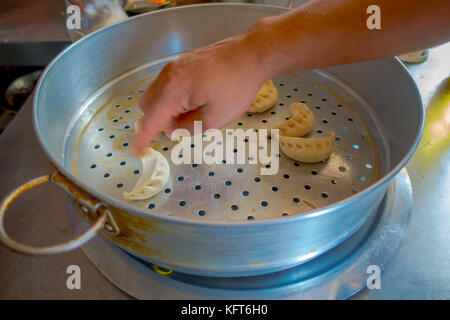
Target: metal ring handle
<point x="26" y="249"/>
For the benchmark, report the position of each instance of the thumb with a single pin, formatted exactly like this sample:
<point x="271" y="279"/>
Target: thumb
<point x="186" y="120"/>
<point x="204" y="114"/>
<point x="212" y="117"/>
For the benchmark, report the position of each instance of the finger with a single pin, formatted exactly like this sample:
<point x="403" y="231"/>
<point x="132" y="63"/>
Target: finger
<point x="210" y="118"/>
<point x="157" y="117"/>
<point x="186" y="120"/>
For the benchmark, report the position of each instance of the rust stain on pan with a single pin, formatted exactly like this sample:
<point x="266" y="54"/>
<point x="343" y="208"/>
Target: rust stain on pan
<point x="22" y="189"/>
<point x="73" y="189"/>
<point x="134" y="230"/>
<point x="309" y="204"/>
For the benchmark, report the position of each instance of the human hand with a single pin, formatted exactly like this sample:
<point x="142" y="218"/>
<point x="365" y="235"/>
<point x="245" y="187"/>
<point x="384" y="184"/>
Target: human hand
<point x="215" y="84"/>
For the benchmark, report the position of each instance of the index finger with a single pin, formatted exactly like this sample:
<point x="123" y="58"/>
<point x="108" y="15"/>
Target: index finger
<point x="157" y="116"/>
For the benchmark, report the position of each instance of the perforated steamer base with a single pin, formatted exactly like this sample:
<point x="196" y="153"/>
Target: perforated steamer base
<point x="99" y="140"/>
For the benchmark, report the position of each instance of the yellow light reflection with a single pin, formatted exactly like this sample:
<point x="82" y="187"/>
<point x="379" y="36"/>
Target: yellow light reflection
<point x="440" y="129"/>
<point x="436" y="136"/>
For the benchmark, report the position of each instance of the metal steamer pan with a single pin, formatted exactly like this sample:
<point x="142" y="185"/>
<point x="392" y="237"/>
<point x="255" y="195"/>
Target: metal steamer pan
<point x="389" y="103"/>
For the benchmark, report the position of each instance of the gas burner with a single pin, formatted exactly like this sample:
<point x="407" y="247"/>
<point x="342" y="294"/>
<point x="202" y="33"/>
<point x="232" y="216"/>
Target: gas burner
<point x="337" y="274"/>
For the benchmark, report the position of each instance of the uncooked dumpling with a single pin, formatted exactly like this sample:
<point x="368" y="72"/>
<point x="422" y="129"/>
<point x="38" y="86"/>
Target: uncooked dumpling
<point x="307" y="149"/>
<point x="265" y="99"/>
<point x="297" y="107"/>
<point x="155" y="174"/>
<point x="301" y="122"/>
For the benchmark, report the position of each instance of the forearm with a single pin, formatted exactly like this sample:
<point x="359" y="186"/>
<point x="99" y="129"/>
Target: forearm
<point x="227" y="75"/>
<point x="330" y="32"/>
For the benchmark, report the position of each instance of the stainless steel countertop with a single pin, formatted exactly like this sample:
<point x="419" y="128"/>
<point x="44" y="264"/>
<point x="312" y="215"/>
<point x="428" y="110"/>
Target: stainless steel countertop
<point x="420" y="270"/>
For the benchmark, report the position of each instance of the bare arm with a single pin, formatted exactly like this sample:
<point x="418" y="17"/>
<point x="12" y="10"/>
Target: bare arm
<point x="330" y="32"/>
<point x="216" y="84"/>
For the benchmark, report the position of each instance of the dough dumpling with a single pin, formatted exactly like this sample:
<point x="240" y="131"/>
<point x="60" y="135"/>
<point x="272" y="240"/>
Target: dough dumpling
<point x="300" y="124"/>
<point x="307" y="149"/>
<point x="155" y="174"/>
<point x="265" y="99"/>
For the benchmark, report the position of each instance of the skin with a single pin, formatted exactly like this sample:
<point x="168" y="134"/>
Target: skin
<point x="216" y="84"/>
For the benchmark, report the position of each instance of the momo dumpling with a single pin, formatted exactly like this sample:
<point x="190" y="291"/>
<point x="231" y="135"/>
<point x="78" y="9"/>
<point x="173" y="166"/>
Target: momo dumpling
<point x="301" y="122"/>
<point x="265" y="99"/>
<point x="155" y="174"/>
<point x="307" y="149"/>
